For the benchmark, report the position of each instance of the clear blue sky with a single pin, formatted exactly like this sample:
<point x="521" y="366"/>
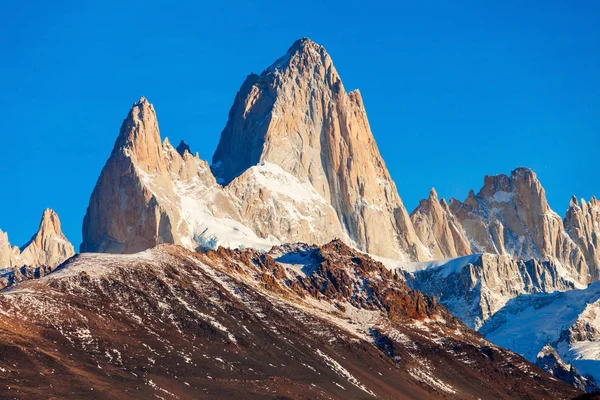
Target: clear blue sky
<point x="453" y="92"/>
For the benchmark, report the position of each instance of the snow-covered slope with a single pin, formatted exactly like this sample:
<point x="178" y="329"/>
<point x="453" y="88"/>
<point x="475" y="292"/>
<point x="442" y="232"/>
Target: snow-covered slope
<point x="568" y="321"/>
<point x="475" y="287"/>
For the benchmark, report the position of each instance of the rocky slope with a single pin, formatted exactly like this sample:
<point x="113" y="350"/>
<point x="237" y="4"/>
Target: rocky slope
<point x="297" y="158"/>
<point x="477" y="286"/>
<point x="46" y="249"/>
<point x="298" y="322"/>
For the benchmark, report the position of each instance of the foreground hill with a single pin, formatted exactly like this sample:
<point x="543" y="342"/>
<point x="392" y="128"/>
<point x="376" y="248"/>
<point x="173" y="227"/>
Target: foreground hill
<point x="298" y="322"/>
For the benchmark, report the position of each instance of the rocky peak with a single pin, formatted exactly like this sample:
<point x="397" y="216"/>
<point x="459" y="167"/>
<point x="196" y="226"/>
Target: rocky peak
<point x="48" y="247"/>
<point x="49" y="228"/>
<point x="582" y="223"/>
<point x="549" y="360"/>
<point x="303" y="54"/>
<point x="436" y="228"/>
<point x="297" y="115"/>
<point x="139" y="138"/>
<point x="433" y="196"/>
<point x="573" y="202"/>
<point x="182" y="148"/>
<point x="510" y="215"/>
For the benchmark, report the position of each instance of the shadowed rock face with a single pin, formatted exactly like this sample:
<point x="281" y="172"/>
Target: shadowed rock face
<point x="476" y="287"/>
<point x="47" y="248"/>
<point x="549" y="360"/>
<point x="298" y="322"/>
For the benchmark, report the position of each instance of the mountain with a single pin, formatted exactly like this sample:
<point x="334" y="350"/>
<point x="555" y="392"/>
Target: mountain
<point x="508" y="216"/>
<point x="298" y="115"/>
<point x="149" y="193"/>
<point x="297" y="322"/>
<point x="549" y="360"/>
<point x="43" y="252"/>
<point x="438" y="229"/>
<point x="477" y="286"/>
<point x="296" y="162"/>
<point x="567" y="321"/>
<point x="582" y="223"/>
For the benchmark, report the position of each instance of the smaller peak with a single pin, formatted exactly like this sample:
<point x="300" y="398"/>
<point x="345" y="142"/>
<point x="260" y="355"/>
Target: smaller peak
<point x="471" y="194"/>
<point x="443" y="203"/>
<point x="573" y="202"/>
<point x="50" y="221"/>
<point x="433" y="194"/>
<point x="182" y="148"/>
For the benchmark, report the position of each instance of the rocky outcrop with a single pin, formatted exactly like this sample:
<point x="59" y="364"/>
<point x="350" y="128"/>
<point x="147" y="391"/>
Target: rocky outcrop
<point x="508" y="216"/>
<point x="8" y="253"/>
<point x="549" y="360"/>
<point x="477" y="286"/>
<point x="582" y="223"/>
<point x="47" y="248"/>
<point x="124" y="214"/>
<point x="296" y="161"/>
<point x="438" y="230"/>
<point x="298" y="115"/>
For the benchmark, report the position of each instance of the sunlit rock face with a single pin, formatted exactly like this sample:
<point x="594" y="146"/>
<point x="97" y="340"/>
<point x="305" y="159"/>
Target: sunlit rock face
<point x="298" y="115"/>
<point x="48" y="246"/>
<point x="296" y="161"/>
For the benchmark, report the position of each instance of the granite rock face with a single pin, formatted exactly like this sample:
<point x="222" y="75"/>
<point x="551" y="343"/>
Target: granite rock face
<point x="296" y="161"/>
<point x="438" y="229"/>
<point x="508" y="216"/>
<point x="582" y="223"/>
<point x="47" y="248"/>
<point x="298" y="115"/>
<point x="151" y="193"/>
<point x="476" y="286"/>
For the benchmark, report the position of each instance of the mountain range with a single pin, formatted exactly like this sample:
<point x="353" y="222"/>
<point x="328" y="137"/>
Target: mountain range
<point x="289" y="267"/>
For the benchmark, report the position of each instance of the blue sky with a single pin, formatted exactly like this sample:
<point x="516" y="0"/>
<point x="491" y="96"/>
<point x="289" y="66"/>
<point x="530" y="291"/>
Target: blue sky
<point x="453" y="91"/>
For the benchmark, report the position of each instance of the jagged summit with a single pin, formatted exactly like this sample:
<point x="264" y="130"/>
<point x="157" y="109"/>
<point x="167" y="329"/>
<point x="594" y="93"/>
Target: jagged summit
<point x="433" y="194"/>
<point x="303" y="54"/>
<point x="183" y="147"/>
<point x="48" y="247"/>
<point x="298" y="116"/>
<point x="49" y="226"/>
<point x="510" y="215"/>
